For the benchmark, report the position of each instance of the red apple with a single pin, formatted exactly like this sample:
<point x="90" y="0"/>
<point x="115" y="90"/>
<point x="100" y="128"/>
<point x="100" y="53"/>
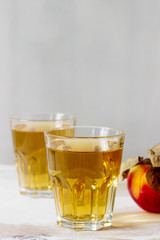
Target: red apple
<point x="143" y="179"/>
<point x="139" y="186"/>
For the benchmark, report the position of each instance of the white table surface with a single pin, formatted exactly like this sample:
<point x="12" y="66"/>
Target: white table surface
<point x="22" y="217"/>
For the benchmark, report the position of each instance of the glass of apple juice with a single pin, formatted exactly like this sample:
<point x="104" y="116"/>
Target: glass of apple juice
<point x="84" y="166"/>
<point x="30" y="152"/>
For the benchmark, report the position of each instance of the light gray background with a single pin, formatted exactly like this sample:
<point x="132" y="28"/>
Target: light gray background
<point x="97" y="59"/>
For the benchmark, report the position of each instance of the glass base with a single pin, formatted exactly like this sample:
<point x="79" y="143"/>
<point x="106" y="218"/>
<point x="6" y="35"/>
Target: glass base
<point x="85" y="226"/>
<point x="37" y="194"/>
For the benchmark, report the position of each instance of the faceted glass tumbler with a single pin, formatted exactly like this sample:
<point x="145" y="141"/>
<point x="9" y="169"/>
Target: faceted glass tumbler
<point x="84" y="166"/>
<point x="30" y="152"/>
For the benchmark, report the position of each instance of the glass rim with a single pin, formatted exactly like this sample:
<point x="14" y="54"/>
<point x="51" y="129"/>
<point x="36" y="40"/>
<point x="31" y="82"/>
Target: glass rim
<point x="28" y="117"/>
<point x="48" y="134"/>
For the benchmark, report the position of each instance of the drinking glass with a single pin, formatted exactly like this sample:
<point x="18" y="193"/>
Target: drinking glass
<point x="84" y="166"/>
<point x="30" y="152"/>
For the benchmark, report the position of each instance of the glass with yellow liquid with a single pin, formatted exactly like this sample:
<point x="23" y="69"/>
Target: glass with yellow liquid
<point x="84" y="166"/>
<point x="30" y="152"/>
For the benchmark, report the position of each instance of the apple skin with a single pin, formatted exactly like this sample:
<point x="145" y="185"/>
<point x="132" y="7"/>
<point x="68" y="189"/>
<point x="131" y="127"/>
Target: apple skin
<point x="146" y="197"/>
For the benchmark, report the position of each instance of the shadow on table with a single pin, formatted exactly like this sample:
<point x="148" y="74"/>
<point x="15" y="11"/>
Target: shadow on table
<point x="122" y="222"/>
<point x="133" y="219"/>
